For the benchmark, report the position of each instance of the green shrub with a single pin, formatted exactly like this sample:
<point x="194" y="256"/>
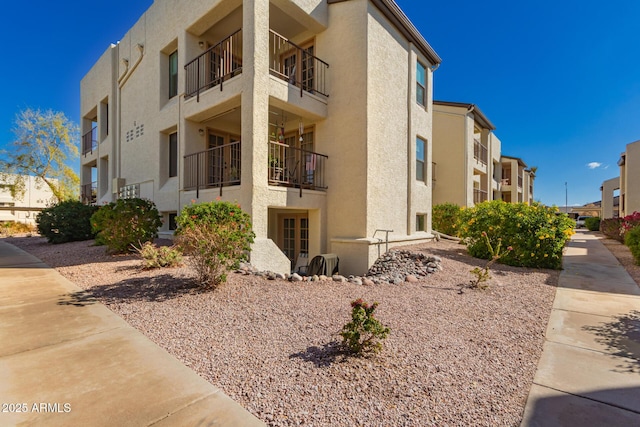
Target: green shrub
<point x="612" y="228"/>
<point x="592" y="223"/>
<point x="363" y="333"/>
<point x="159" y="257"/>
<point x="632" y="240"/>
<point x="125" y="223"/>
<point x="217" y="236"/>
<point x="66" y="221"/>
<point x="446" y="218"/>
<point x="536" y="234"/>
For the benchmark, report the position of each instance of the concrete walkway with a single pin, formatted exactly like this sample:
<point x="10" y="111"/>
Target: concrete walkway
<point x="68" y="363"/>
<point x="589" y="372"/>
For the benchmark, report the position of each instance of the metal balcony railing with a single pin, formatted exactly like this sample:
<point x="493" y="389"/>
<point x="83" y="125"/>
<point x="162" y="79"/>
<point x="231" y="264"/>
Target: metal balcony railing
<point x="90" y="141"/>
<point x="479" y="196"/>
<point x="217" y="64"/>
<point x="216" y="167"/>
<point x="297" y="65"/>
<point x="89" y="193"/>
<point x="480" y="152"/>
<point x="295" y="167"/>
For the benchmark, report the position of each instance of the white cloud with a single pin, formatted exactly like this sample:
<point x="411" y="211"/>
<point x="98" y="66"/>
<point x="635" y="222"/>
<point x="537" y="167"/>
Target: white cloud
<point x="594" y="165"/>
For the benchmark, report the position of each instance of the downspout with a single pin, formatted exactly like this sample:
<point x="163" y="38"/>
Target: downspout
<point x="410" y="150"/>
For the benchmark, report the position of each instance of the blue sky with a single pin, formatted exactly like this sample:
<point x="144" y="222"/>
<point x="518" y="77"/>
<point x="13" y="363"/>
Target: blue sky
<point x="559" y="79"/>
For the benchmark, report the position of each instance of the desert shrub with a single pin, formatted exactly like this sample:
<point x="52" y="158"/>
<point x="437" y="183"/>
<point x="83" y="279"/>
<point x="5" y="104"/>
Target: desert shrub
<point x="159" y="257"/>
<point x="127" y="222"/>
<point x="364" y="332"/>
<point x="629" y="222"/>
<point x="446" y="218"/>
<point x="66" y="221"/>
<point x="632" y="240"/>
<point x="536" y="234"/>
<point x="481" y="275"/>
<point x="612" y="228"/>
<point x="217" y="236"/>
<point x="592" y="223"/>
<point x="10" y="228"/>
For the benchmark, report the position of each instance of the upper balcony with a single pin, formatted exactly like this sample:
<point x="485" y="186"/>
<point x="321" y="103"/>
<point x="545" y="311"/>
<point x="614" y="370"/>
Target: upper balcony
<point x="481" y="155"/>
<point x="296" y="65"/>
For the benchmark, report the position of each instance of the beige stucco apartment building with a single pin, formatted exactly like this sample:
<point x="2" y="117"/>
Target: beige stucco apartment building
<point x="628" y="184"/>
<point x="467" y="161"/>
<point x="37" y="196"/>
<point x="314" y="115"/>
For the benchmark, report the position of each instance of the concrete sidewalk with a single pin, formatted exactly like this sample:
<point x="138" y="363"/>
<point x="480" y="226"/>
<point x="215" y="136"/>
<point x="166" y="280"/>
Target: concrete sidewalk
<point x="65" y="362"/>
<point x="589" y="371"/>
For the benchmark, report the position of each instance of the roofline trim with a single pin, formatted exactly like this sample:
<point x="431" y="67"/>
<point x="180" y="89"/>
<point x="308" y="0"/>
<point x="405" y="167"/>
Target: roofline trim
<point x="393" y="13"/>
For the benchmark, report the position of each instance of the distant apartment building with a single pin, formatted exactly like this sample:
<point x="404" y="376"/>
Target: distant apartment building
<point x="627" y="185"/>
<point x="37" y="196"/>
<point x="315" y="116"/>
<point x="467" y="162"/>
<point x="517" y="180"/>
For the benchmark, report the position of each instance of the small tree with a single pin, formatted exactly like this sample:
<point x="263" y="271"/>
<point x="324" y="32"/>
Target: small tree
<point x="217" y="235"/>
<point x="364" y="333"/>
<point x="44" y="142"/>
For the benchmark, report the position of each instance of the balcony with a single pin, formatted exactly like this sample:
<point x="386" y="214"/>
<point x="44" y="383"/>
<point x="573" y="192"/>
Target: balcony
<point x="295" y="167"/>
<point x="89" y="193"/>
<point x="90" y="141"/>
<point x="297" y="65"/>
<point x="480" y="152"/>
<point x="215" y="167"/>
<point x="479" y="196"/>
<point x="213" y="67"/>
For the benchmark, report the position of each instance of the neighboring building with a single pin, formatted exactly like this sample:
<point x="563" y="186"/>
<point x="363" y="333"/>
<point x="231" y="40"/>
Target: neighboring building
<point x="37" y="196"/>
<point x="517" y="180"/>
<point x="610" y="202"/>
<point x="468" y="165"/>
<point x="466" y="155"/>
<point x="315" y="116"/>
<point x="629" y="179"/>
<point x="593" y="209"/>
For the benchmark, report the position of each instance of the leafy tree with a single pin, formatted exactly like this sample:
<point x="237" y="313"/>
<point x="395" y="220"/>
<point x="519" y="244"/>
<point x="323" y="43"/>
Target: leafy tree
<point x="44" y="142"/>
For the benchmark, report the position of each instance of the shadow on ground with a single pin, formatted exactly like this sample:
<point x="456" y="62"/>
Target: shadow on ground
<point x="153" y="289"/>
<point x="622" y="338"/>
<point x="323" y="357"/>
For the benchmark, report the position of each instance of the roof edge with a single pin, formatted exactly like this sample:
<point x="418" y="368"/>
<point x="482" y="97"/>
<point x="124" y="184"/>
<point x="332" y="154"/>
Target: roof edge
<point x="392" y="11"/>
<point x="479" y="115"/>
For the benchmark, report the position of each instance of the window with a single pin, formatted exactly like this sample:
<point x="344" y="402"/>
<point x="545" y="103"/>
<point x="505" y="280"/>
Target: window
<point x="173" y="74"/>
<point x="421" y="86"/>
<point x="420" y="160"/>
<point x="421" y="221"/>
<point x="173" y="155"/>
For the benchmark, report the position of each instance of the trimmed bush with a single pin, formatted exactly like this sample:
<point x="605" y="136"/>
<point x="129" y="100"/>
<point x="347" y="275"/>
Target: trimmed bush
<point x="159" y="257"/>
<point x="446" y="218"/>
<point x="217" y="236"/>
<point x="592" y="223"/>
<point x="66" y="221"/>
<point x="127" y="222"/>
<point x="612" y="228"/>
<point x="632" y="240"/>
<point x="536" y="234"/>
<point x="364" y="333"/>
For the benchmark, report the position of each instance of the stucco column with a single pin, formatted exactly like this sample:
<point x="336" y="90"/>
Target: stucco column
<point x="255" y="109"/>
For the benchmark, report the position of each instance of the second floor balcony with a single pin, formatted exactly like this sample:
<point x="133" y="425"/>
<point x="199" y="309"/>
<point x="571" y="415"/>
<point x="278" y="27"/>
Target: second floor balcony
<point x="90" y="141"/>
<point x="480" y="152"/>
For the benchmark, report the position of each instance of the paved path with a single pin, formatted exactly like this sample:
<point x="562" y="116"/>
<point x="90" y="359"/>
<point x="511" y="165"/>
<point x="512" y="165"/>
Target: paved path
<point x="589" y="372"/>
<point x="65" y="362"/>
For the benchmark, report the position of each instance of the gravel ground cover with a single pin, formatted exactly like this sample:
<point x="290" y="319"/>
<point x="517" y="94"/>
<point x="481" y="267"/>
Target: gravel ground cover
<point x="451" y="358"/>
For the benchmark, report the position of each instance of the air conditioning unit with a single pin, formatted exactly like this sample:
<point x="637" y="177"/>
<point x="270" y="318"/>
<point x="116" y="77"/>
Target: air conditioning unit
<point x="117" y="184"/>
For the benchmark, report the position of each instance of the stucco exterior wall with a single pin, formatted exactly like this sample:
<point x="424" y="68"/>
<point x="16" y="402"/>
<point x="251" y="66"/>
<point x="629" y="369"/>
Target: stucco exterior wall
<point x="24" y="209"/>
<point x="367" y="126"/>
<point x="608" y="188"/>
<point x="632" y="178"/>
